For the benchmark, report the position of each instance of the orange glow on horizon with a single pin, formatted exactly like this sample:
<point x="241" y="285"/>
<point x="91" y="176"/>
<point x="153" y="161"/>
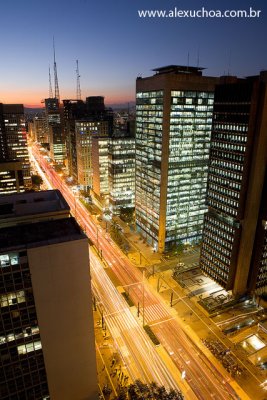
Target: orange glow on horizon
<point x="31" y="101"/>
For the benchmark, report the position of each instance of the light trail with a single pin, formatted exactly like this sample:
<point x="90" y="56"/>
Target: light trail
<point x="204" y="379"/>
<point x="132" y="342"/>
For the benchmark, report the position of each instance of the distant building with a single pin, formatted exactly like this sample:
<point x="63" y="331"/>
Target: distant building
<point x="40" y="129"/>
<point x="46" y="330"/>
<point x="74" y="110"/>
<point x="173" y="128"/>
<point x="11" y="177"/>
<point x="100" y="189"/>
<point x="121" y="171"/>
<point x="13" y="139"/>
<point x="85" y="130"/>
<point x="81" y="121"/>
<point x="233" y="252"/>
<point x="55" y="130"/>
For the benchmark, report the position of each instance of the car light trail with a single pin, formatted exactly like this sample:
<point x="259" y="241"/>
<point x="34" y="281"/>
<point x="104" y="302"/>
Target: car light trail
<point x="205" y="381"/>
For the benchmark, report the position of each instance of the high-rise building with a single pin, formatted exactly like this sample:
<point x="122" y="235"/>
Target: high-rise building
<point x="74" y="110"/>
<point x="40" y="129"/>
<point x="81" y="121"/>
<point x="100" y="189"/>
<point x="257" y="280"/>
<point x="46" y="326"/>
<point x="85" y="130"/>
<point x="55" y="130"/>
<point x="173" y="129"/>
<point x="121" y="171"/>
<point x="11" y="177"/>
<point x="13" y="140"/>
<point x="237" y="167"/>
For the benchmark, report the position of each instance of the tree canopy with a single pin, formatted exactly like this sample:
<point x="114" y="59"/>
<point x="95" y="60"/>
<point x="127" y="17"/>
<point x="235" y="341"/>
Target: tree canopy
<point x="139" y="391"/>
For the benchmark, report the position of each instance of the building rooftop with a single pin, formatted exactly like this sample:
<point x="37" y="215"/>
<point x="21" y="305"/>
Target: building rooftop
<point x="27" y="207"/>
<point x="179" y="69"/>
<point x="39" y="234"/>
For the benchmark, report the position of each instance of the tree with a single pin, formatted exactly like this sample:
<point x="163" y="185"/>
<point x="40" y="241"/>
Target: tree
<point x="140" y="391"/>
<point x="127" y="214"/>
<point x="37" y="180"/>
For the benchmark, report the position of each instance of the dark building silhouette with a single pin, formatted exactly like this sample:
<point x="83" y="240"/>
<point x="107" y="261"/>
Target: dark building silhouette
<point x="11" y="177"/>
<point x="73" y="110"/>
<point x="13" y="139"/>
<point x="234" y="231"/>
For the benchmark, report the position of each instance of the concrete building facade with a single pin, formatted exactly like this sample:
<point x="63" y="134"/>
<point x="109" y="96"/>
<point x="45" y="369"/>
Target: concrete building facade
<point x="237" y="168"/>
<point x="46" y="329"/>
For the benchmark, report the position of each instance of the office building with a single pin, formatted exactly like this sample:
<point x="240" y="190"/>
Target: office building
<point x="121" y="170"/>
<point x="55" y="130"/>
<point x="257" y="280"/>
<point x="13" y="139"/>
<point x="231" y="251"/>
<point x="40" y="129"/>
<point x="100" y="188"/>
<point x="173" y="128"/>
<point x="46" y="329"/>
<point x="81" y="121"/>
<point x="11" y="177"/>
<point x="74" y="110"/>
<point x="85" y="130"/>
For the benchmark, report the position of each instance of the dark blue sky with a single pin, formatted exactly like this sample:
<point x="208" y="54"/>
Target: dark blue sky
<point x="114" y="45"/>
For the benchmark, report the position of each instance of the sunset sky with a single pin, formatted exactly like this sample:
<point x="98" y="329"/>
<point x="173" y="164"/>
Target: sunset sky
<point x="114" y="46"/>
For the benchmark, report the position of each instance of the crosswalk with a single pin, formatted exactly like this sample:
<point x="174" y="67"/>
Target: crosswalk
<point x="155" y="312"/>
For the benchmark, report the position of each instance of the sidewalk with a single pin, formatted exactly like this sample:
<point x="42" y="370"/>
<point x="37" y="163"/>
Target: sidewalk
<point x="198" y="326"/>
<point x="111" y="372"/>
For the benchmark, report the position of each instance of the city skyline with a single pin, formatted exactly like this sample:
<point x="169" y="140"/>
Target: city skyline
<point x="114" y="46"/>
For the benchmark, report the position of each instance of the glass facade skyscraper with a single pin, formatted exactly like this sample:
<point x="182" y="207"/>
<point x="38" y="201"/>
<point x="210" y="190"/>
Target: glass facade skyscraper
<point x="121" y="172"/>
<point x="173" y="128"/>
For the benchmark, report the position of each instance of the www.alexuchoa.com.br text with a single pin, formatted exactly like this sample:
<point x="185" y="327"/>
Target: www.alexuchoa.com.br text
<point x="199" y="13"/>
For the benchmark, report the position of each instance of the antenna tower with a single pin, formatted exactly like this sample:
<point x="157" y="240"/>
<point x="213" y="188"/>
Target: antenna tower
<point x="50" y="85"/>
<point x="55" y="73"/>
<point x="78" y="86"/>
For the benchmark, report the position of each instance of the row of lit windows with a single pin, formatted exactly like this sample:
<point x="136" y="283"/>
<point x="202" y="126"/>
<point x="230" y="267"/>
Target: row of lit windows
<point x="189" y="93"/>
<point x="228" y="137"/>
<point x="8" y="299"/>
<point x="230" y="174"/>
<point x="143" y="95"/>
<point x="199" y="106"/>
<point x="221" y="190"/>
<point x="226" y="164"/>
<point x="23" y="334"/>
<point x="230" y="127"/>
<point x="223" y="206"/>
<point x="221" y="181"/>
<point x="29" y="347"/>
<point x="228" y="146"/>
<point x="193" y="114"/>
<point x="218" y="226"/>
<point x="217" y="259"/>
<point x="218" y="244"/>
<point x="213" y="271"/>
<point x="235" y="159"/>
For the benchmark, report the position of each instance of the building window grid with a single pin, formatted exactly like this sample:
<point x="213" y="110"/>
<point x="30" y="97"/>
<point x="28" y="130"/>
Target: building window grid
<point x="22" y="318"/>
